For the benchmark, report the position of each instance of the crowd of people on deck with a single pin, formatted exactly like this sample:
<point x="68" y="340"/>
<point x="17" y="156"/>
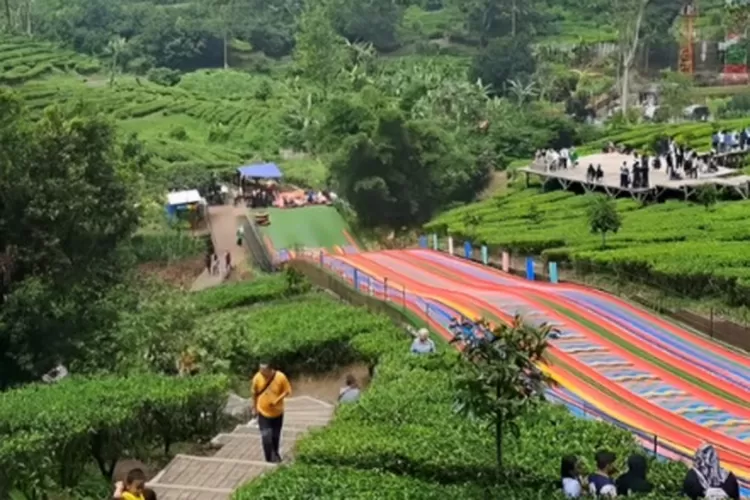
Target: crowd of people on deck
<point x="553" y="159"/>
<point x="727" y="141"/>
<point x="706" y="479"/>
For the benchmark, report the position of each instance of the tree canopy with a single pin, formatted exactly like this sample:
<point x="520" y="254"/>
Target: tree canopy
<point x="64" y="211"/>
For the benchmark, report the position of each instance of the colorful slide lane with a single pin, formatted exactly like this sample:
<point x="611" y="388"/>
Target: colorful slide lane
<point x="614" y="383"/>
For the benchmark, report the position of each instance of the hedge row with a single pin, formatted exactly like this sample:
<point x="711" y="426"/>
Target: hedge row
<point x="245" y="293"/>
<point x="307" y="334"/>
<point x="49" y="434"/>
<point x="344" y="483"/>
<point x="680" y="245"/>
<point x="405" y="440"/>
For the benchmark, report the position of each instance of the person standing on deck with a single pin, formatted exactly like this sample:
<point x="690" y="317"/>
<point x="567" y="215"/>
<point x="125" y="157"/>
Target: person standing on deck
<point x="269" y="389"/>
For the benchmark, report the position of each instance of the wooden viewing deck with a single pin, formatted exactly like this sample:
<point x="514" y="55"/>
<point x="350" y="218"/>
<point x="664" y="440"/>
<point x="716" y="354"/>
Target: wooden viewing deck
<point x="659" y="182"/>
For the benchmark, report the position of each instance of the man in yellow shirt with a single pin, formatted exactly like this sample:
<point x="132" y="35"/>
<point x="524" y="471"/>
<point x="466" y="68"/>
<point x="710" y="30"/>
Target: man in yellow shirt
<point x="269" y="388"/>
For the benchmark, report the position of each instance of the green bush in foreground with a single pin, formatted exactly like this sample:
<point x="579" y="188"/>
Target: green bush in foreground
<point x="49" y="434"/>
<point x="404" y="439"/>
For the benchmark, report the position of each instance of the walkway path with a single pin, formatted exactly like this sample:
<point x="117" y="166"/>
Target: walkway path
<point x="224" y="221"/>
<point x="240" y="458"/>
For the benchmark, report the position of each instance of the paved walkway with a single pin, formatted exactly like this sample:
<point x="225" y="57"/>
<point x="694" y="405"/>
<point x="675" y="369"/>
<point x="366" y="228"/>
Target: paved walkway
<point x="224" y="220"/>
<point x="240" y="458"/>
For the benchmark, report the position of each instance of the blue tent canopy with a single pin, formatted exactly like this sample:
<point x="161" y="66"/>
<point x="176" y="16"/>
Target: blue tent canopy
<point x="261" y="170"/>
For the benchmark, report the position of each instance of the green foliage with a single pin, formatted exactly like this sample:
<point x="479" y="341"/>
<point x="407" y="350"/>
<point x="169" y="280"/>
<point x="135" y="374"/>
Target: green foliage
<point x="309" y="334"/>
<point x="500" y="381"/>
<point x="603" y="217"/>
<point x="65" y="210"/>
<point x="165" y="247"/>
<point x="503" y="60"/>
<point x="707" y="195"/>
<point x="62" y="428"/>
<point x="164" y="76"/>
<point x="246" y="293"/>
<point x="319" y="51"/>
<point x="406" y="424"/>
<point x="398" y="174"/>
<point x="675" y="245"/>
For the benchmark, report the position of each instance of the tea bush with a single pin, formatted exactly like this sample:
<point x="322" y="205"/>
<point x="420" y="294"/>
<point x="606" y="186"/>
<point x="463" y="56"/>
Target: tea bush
<point x="676" y="245"/>
<point x="245" y="293"/>
<point x="308" y="334"/>
<point x="404" y="439"/>
<point x="50" y="433"/>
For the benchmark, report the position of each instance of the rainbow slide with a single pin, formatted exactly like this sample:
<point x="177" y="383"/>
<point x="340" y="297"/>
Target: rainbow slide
<point x="671" y="388"/>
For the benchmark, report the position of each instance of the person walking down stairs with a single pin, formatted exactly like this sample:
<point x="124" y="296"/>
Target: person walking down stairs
<point x="269" y="389"/>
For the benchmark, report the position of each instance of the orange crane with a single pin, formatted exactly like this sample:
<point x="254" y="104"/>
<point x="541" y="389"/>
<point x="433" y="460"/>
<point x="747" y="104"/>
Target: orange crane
<point x="687" y="39"/>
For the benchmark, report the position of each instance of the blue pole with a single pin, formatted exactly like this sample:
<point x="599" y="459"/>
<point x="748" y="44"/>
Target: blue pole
<point x="356" y="279"/>
<point x="553" y="272"/>
<point x="434" y="241"/>
<point x="423" y="241"/>
<point x="530" y="268"/>
<point x="467" y="249"/>
<point x="485" y="258"/>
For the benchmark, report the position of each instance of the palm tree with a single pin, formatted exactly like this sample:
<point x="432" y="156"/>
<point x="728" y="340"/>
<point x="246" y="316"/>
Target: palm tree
<point x="114" y="49"/>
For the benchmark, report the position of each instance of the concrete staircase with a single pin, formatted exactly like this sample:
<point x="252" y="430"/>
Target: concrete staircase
<point x="240" y="458"/>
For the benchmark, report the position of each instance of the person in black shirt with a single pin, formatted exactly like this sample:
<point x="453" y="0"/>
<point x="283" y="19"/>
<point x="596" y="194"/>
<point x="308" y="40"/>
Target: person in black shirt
<point x="707" y="479"/>
<point x="634" y="480"/>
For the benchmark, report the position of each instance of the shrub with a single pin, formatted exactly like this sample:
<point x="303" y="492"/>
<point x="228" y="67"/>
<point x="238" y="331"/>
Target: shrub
<point x="50" y="433"/>
<point x="178" y="133"/>
<point x="164" y="76"/>
<point x="246" y="293"/>
<point x="87" y="67"/>
<point x="166" y="247"/>
<point x="309" y="334"/>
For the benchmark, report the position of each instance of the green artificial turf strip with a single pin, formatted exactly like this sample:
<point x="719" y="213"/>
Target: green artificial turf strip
<point x="309" y="227"/>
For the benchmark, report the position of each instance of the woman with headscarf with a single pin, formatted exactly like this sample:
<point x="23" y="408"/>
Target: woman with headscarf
<point x="707" y="479"/>
<point x="634" y="480"/>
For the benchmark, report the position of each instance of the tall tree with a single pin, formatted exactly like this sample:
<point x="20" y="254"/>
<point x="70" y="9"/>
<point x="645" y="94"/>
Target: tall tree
<point x="400" y="172"/>
<point x="319" y="51"/>
<point x="115" y="48"/>
<point x="630" y="17"/>
<point x="503" y="60"/>
<point x="490" y="19"/>
<point x="501" y="379"/>
<point x="64" y="210"/>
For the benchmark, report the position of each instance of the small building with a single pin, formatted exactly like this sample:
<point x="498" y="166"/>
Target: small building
<point x="187" y="203"/>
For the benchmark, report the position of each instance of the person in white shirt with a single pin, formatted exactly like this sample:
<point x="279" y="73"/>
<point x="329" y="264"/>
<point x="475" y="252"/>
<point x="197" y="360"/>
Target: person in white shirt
<point x="570" y="476"/>
<point x="564" y="157"/>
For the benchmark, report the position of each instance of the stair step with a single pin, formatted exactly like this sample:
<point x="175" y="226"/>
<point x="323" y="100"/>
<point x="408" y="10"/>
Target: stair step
<point x="248" y="446"/>
<point x="179" y="493"/>
<point x="208" y="474"/>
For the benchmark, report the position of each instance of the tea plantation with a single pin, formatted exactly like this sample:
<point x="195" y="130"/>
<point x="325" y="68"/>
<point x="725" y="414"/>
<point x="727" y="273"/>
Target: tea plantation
<point x="676" y="245"/>
<point x="187" y="129"/>
<point x="403" y="440"/>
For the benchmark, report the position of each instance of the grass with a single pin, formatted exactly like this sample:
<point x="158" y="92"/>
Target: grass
<point x="309" y="227"/>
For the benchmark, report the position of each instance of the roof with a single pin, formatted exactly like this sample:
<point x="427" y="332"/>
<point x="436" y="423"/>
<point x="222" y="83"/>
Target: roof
<point x="262" y="170"/>
<point x="183" y="197"/>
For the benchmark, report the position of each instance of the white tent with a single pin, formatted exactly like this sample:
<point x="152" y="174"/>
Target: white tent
<point x="183" y="197"/>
